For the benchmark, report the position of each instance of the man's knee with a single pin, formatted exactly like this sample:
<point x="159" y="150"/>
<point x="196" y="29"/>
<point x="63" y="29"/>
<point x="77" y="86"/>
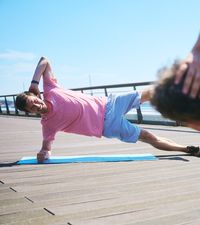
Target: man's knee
<point x="146" y="136"/>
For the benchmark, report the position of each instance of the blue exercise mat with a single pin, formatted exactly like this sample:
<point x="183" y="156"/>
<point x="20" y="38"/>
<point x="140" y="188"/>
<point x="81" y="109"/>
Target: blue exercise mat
<point x="89" y="158"/>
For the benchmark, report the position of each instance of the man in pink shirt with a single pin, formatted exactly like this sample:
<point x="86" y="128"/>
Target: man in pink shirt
<point x="73" y="112"/>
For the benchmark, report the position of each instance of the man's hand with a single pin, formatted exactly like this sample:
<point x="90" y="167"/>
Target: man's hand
<point x="34" y="89"/>
<point x="45" y="151"/>
<point x="43" y="155"/>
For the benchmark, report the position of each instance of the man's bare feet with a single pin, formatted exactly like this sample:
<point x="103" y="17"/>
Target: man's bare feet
<point x="43" y="155"/>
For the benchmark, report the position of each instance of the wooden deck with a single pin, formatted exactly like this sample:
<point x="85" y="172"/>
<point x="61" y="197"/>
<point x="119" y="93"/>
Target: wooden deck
<point x="162" y="192"/>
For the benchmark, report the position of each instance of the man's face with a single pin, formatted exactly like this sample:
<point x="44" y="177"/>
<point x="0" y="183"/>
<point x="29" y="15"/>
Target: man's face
<point x="35" y="105"/>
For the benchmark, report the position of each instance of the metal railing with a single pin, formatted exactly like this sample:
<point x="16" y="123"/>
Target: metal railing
<point x="7" y="103"/>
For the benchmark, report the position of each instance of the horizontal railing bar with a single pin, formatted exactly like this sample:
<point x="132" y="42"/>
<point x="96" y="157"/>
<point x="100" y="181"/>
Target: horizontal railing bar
<point x="100" y="87"/>
<point x="104" y="91"/>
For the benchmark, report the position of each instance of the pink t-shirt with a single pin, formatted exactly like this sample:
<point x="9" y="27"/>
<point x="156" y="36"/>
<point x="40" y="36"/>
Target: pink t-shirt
<point x="71" y="112"/>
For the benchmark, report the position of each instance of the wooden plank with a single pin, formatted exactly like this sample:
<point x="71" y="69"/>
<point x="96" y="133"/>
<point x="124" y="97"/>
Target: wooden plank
<point x="143" y="193"/>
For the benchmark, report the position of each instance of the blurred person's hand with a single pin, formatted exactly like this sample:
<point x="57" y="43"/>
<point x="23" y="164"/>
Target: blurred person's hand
<point x="191" y="64"/>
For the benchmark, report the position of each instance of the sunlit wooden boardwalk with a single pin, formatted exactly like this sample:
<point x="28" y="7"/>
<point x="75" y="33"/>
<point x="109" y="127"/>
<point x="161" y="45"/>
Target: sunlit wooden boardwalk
<point x="162" y="192"/>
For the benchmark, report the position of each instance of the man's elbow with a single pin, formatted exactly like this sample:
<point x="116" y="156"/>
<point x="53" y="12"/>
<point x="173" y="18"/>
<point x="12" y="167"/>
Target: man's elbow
<point x="43" y="59"/>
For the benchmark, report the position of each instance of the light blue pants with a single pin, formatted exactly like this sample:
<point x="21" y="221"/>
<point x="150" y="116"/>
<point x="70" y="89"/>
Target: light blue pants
<point x="115" y="123"/>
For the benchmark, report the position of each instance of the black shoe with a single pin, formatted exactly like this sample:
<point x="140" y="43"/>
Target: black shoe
<point x="194" y="151"/>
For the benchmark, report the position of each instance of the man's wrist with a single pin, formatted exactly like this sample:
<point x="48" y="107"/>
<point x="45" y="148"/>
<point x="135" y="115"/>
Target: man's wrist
<point x="34" y="82"/>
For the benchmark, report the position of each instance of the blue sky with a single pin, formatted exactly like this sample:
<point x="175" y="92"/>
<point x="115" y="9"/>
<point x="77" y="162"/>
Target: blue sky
<point x="93" y="42"/>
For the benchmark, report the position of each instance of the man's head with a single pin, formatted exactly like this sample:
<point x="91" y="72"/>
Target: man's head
<point x="169" y="100"/>
<point x="29" y="102"/>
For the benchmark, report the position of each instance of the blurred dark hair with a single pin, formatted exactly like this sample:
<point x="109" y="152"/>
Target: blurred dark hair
<point x="168" y="99"/>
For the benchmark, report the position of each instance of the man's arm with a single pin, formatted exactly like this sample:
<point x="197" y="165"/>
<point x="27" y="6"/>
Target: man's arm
<point x="43" y="69"/>
<point x="46" y="146"/>
<point x="192" y="63"/>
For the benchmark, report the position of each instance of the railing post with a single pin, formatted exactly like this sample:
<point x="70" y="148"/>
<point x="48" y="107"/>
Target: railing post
<point x="106" y="93"/>
<point x="7" y="108"/>
<point x="16" y="111"/>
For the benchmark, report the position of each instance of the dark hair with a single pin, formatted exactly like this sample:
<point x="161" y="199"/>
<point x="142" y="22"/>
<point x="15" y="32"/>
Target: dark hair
<point x="168" y="99"/>
<point x="20" y="102"/>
